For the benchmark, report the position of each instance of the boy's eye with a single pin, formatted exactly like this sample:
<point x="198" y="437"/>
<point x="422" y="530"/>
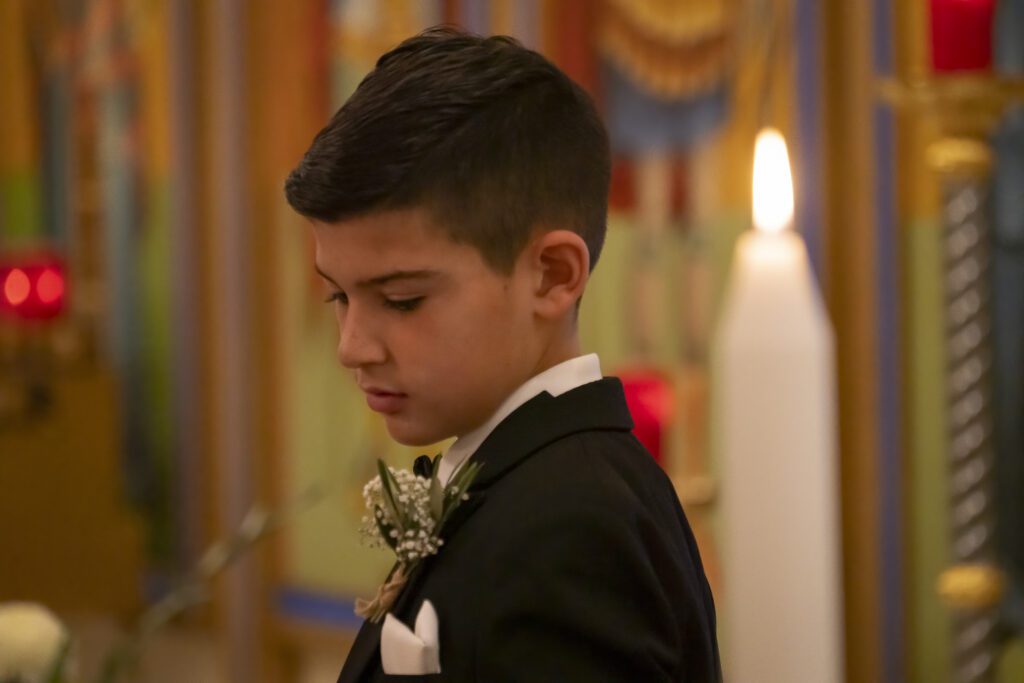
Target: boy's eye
<point x="340" y="297"/>
<point x="404" y="305"/>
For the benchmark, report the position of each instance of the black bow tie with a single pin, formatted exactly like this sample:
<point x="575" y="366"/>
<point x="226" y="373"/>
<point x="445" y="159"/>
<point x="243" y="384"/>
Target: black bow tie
<point x="423" y="466"/>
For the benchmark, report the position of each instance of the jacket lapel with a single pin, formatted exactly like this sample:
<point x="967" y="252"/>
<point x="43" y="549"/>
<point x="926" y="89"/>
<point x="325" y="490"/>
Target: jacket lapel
<point x="364" y="651"/>
<point x="545" y="419"/>
<point x="538" y="422"/>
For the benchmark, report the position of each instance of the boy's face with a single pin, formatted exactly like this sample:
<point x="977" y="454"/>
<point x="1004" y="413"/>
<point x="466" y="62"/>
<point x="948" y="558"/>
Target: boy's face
<point x="435" y="337"/>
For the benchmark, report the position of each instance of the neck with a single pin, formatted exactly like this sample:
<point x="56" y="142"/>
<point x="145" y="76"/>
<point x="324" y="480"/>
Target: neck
<point x="558" y="351"/>
<point x="553" y="354"/>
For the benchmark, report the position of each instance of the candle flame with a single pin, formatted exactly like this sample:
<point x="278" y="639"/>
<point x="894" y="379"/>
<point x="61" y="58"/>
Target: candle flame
<point x="773" y="182"/>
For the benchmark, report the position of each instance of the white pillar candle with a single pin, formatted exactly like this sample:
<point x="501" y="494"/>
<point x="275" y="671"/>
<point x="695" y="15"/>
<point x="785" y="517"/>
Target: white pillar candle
<point x="776" y="416"/>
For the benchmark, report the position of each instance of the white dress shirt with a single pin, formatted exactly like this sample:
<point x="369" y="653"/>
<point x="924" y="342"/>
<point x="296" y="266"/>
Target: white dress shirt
<point x="556" y="380"/>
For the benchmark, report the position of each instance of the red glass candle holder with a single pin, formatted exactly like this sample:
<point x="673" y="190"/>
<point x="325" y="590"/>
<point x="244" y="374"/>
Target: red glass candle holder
<point x="962" y="35"/>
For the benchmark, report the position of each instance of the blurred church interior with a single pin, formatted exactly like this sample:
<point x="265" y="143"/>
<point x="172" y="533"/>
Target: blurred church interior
<point x="172" y="413"/>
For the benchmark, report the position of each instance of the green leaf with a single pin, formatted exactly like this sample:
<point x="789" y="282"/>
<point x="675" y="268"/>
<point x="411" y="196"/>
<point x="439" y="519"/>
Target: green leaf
<point x="465" y="476"/>
<point x="386" y="483"/>
<point x="462" y="480"/>
<point x="436" y="499"/>
<point x="385" y="531"/>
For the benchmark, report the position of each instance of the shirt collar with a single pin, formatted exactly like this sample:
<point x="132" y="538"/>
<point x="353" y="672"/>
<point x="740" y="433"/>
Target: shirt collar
<point x="556" y="380"/>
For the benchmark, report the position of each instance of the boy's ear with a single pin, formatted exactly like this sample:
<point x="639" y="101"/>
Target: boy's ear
<point x="560" y="266"/>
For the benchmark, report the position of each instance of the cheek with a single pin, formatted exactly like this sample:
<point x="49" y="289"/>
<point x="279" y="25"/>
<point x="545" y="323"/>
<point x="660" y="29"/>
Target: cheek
<point x="463" y="343"/>
<point x="497" y="334"/>
<point x="467" y="334"/>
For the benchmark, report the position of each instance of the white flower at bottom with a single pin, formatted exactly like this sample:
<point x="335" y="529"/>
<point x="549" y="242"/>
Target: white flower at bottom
<point x="31" y="642"/>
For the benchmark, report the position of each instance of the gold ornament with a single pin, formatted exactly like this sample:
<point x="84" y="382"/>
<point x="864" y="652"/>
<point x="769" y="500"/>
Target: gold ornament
<point x="971" y="586"/>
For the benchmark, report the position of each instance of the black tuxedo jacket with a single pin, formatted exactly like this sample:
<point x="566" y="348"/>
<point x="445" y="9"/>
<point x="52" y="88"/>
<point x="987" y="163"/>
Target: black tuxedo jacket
<point x="572" y="560"/>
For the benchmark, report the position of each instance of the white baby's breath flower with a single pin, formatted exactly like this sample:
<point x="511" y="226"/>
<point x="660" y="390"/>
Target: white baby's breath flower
<point x="32" y="641"/>
<point x="404" y="520"/>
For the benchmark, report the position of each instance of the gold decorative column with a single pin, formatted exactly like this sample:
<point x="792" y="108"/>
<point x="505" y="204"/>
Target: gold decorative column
<point x="965" y="110"/>
<point x="964" y="164"/>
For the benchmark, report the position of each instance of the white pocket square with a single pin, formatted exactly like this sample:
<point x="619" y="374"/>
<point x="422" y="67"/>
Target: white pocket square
<point x="403" y="652"/>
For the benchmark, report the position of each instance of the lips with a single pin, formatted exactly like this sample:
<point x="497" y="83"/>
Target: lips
<point x="383" y="401"/>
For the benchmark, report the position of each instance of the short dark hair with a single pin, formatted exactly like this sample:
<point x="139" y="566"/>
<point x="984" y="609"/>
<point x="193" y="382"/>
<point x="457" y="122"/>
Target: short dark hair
<point x="489" y="136"/>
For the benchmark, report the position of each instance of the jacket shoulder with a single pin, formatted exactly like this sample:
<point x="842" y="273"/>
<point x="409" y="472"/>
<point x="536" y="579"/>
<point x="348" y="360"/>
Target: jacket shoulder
<point x="605" y="472"/>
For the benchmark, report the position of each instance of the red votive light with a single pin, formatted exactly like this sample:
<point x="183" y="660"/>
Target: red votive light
<point x="962" y="34"/>
<point x="32" y="287"/>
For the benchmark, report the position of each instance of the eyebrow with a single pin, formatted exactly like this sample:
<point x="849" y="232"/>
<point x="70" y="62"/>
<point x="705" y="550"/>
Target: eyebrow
<point x="379" y="280"/>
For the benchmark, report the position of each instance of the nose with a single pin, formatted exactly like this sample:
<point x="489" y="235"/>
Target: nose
<point x="357" y="346"/>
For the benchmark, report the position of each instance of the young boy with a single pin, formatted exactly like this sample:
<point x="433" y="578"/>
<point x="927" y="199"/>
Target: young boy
<point x="458" y="202"/>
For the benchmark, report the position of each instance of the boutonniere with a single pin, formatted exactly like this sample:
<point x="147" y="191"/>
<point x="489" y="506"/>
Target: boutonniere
<point x="406" y="512"/>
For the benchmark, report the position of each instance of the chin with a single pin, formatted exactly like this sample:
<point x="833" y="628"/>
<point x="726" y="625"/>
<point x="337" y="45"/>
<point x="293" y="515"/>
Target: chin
<point x="411" y="435"/>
